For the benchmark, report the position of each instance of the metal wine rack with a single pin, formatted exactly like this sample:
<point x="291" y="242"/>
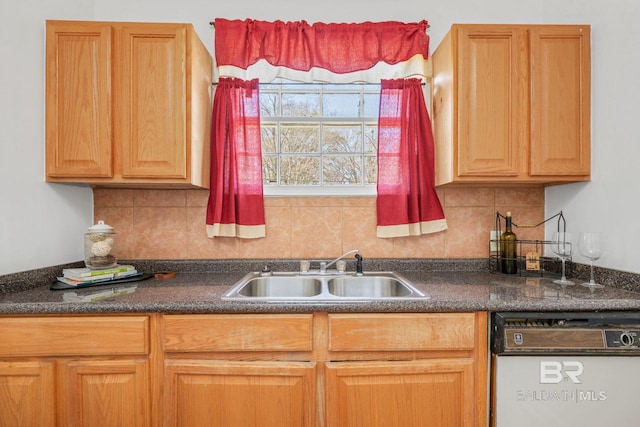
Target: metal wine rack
<point x="530" y="259"/>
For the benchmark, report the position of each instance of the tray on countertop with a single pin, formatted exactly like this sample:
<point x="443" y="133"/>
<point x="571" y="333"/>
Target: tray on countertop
<point x="57" y="286"/>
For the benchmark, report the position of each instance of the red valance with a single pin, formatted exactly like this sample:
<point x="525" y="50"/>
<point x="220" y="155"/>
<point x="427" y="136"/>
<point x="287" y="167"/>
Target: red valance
<point x="340" y="48"/>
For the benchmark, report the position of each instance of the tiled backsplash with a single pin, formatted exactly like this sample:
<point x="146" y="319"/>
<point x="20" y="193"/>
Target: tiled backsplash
<point x="170" y="224"/>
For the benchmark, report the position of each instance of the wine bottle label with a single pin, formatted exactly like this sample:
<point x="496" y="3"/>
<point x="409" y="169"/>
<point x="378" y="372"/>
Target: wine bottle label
<point x="533" y="261"/>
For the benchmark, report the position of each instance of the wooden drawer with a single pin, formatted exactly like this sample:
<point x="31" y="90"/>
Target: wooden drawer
<point x="238" y="332"/>
<point x="74" y="336"/>
<point x="401" y="332"/>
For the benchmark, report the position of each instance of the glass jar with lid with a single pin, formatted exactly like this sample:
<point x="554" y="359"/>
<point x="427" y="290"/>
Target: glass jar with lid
<point x="100" y="247"/>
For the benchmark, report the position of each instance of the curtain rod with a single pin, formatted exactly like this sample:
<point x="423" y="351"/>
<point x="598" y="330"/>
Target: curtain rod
<point x="313" y="83"/>
<point x="213" y="24"/>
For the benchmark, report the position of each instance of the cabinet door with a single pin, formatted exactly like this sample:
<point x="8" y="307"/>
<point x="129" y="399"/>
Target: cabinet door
<point x="491" y="99"/>
<point x="78" y="100"/>
<point x="106" y="393"/>
<point x="151" y="82"/>
<point x="418" y="393"/>
<point x="561" y="99"/>
<point x="239" y="394"/>
<point x="27" y="394"/>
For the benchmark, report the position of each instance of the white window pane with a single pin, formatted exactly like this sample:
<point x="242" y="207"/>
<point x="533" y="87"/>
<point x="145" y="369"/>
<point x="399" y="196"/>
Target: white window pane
<point x="319" y="137"/>
<point x="299" y="170"/>
<point x="371" y="104"/>
<point x="341" y="139"/>
<point x="300" y="105"/>
<point x="370" y="170"/>
<point x="341" y="105"/>
<point x="371" y="139"/>
<point x="269" y="170"/>
<point x="269" y="104"/>
<point x="343" y="170"/>
<point x="269" y="139"/>
<point x="299" y="139"/>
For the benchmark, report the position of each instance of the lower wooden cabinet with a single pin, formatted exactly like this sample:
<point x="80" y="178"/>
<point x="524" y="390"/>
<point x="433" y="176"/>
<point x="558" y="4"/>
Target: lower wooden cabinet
<point x="414" y="393"/>
<point x="406" y="370"/>
<point x="87" y="393"/>
<point x="75" y="371"/>
<point x="245" y="370"/>
<point x="239" y="393"/>
<point x="239" y="370"/>
<point x="27" y="393"/>
<point x="105" y="392"/>
<point x="326" y="370"/>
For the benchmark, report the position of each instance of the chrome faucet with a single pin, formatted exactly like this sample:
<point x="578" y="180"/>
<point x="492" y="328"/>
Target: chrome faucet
<point x="324" y="265"/>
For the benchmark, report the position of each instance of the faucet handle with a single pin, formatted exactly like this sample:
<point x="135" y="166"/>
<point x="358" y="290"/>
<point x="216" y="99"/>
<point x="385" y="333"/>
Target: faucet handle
<point x="266" y="270"/>
<point x="359" y="265"/>
<point x="323" y="266"/>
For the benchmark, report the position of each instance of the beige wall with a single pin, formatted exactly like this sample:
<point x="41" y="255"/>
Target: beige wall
<point x="169" y="224"/>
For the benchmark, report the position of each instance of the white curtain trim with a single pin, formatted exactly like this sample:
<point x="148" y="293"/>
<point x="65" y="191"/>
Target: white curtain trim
<point x="236" y="230"/>
<point x="415" y="66"/>
<point x="414" y="229"/>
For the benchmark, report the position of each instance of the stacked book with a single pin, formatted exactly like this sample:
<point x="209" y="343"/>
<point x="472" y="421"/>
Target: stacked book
<point x="86" y="276"/>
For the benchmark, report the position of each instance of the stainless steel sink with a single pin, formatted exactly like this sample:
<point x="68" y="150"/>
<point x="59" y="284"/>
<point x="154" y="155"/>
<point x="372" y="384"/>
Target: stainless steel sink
<point x="279" y="287"/>
<point x="369" y="287"/>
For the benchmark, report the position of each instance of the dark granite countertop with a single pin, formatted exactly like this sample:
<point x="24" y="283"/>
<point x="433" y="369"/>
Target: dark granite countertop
<point x="461" y="289"/>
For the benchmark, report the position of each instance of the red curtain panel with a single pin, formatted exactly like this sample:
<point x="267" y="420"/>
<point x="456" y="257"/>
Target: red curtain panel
<point x="407" y="203"/>
<point x="236" y="204"/>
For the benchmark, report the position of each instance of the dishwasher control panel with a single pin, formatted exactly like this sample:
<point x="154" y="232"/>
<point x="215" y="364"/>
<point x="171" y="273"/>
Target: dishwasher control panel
<point x="519" y="333"/>
<point x="623" y="338"/>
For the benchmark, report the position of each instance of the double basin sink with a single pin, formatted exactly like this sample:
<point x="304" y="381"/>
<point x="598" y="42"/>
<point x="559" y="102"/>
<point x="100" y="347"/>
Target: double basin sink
<point x="318" y="288"/>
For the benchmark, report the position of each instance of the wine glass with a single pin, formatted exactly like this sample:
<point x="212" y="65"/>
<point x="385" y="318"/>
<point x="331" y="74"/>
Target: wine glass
<point x="562" y="245"/>
<point x="591" y="245"/>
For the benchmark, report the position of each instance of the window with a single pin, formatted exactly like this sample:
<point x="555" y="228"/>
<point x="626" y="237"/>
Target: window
<point x="319" y="138"/>
<point x="322" y="136"/>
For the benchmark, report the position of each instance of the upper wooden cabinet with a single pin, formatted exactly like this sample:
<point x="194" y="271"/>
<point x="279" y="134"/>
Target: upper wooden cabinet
<point x="127" y="104"/>
<point x="512" y="104"/>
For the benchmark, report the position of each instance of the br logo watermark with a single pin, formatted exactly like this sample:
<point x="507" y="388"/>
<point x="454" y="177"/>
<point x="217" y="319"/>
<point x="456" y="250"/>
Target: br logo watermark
<point x="554" y="372"/>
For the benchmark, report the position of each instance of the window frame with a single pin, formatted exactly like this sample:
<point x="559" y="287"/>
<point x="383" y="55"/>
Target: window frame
<point x="322" y="89"/>
<point x="364" y="190"/>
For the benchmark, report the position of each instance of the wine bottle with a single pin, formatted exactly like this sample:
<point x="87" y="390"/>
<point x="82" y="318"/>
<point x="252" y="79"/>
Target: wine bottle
<point x="508" y="250"/>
